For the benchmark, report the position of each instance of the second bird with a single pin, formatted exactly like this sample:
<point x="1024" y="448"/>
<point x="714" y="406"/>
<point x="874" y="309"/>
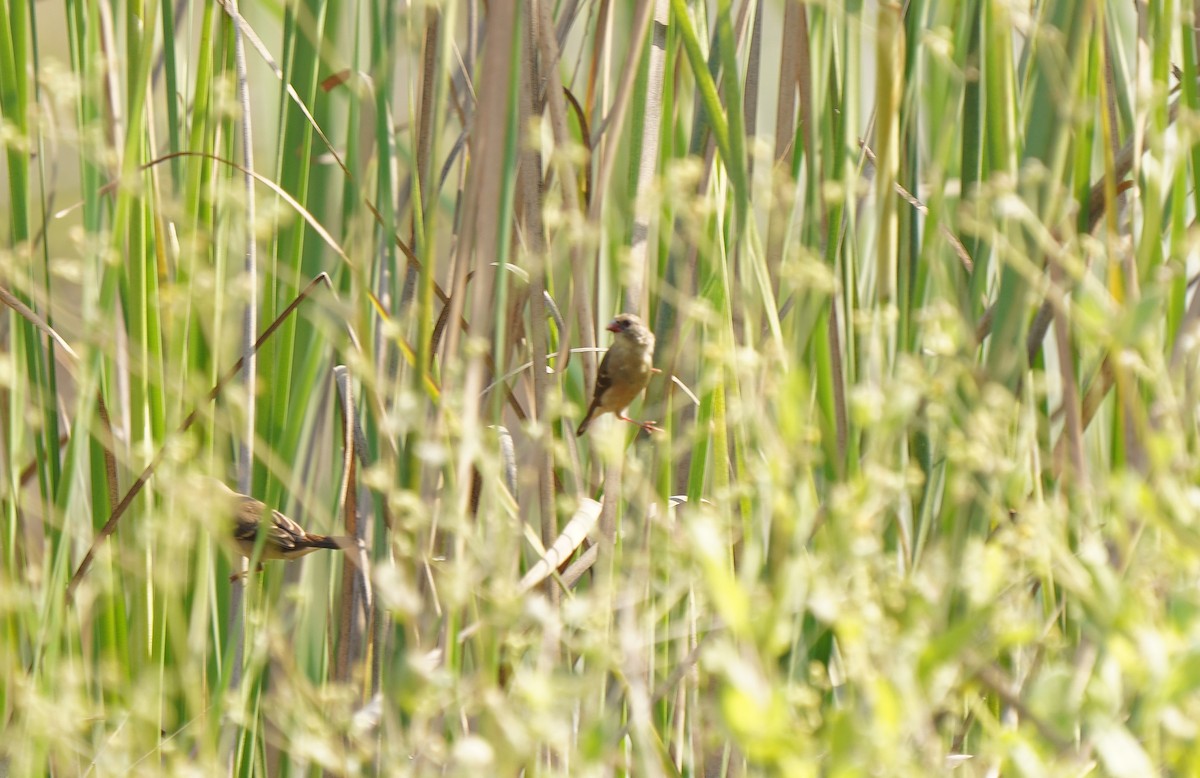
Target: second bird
<point x="624" y="371"/>
<point x="285" y="538"/>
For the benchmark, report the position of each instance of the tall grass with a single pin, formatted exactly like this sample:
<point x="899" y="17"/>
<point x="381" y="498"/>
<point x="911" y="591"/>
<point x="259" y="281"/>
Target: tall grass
<point x="921" y="280"/>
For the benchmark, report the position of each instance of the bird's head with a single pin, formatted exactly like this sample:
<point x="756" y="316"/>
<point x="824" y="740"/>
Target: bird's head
<point x="630" y="326"/>
<point x="623" y="323"/>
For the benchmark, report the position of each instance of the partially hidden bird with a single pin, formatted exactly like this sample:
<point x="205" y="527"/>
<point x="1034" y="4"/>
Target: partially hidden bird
<point x="624" y="372"/>
<point x="285" y="538"/>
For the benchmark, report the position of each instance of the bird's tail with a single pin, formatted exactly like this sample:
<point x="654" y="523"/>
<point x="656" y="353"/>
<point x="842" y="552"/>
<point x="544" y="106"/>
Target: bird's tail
<point x="356" y="554"/>
<point x="587" y="419"/>
<point x="343" y="542"/>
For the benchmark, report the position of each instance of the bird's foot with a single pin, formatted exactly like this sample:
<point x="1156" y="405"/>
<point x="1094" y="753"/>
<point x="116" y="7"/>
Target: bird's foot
<point x="244" y="575"/>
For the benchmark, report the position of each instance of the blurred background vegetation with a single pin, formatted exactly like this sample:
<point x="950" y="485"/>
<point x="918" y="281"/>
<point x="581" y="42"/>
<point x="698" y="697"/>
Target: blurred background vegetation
<point x="921" y="276"/>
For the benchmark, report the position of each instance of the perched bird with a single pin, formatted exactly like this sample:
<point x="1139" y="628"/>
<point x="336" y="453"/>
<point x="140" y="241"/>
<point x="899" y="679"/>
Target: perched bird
<point x="285" y="538"/>
<point x="624" y="371"/>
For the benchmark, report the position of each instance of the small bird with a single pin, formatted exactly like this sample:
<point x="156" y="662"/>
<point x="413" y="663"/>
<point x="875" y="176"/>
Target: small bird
<point x="285" y="538"/>
<point x="624" y="371"/>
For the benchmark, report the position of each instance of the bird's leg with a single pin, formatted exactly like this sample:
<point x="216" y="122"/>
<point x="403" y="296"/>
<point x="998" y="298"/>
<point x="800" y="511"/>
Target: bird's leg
<point x="245" y="574"/>
<point x="649" y="426"/>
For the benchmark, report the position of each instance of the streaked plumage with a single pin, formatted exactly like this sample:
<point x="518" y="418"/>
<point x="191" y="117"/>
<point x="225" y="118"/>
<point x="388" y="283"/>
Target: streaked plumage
<point x="285" y="538"/>
<point x="624" y="372"/>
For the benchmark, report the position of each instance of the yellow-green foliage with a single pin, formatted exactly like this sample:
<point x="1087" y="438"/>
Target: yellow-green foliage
<point x="926" y="494"/>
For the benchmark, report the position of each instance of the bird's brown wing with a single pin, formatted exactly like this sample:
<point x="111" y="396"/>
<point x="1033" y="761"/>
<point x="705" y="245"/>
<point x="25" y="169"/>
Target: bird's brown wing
<point x="604" y="380"/>
<point x="603" y="384"/>
<point x="283" y="534"/>
<point x="247" y="514"/>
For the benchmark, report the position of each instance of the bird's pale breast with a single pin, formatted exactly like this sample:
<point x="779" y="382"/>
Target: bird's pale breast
<point x="629" y="369"/>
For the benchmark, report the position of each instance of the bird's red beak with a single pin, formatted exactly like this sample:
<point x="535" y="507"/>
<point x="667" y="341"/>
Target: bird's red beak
<point x="613" y="326"/>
